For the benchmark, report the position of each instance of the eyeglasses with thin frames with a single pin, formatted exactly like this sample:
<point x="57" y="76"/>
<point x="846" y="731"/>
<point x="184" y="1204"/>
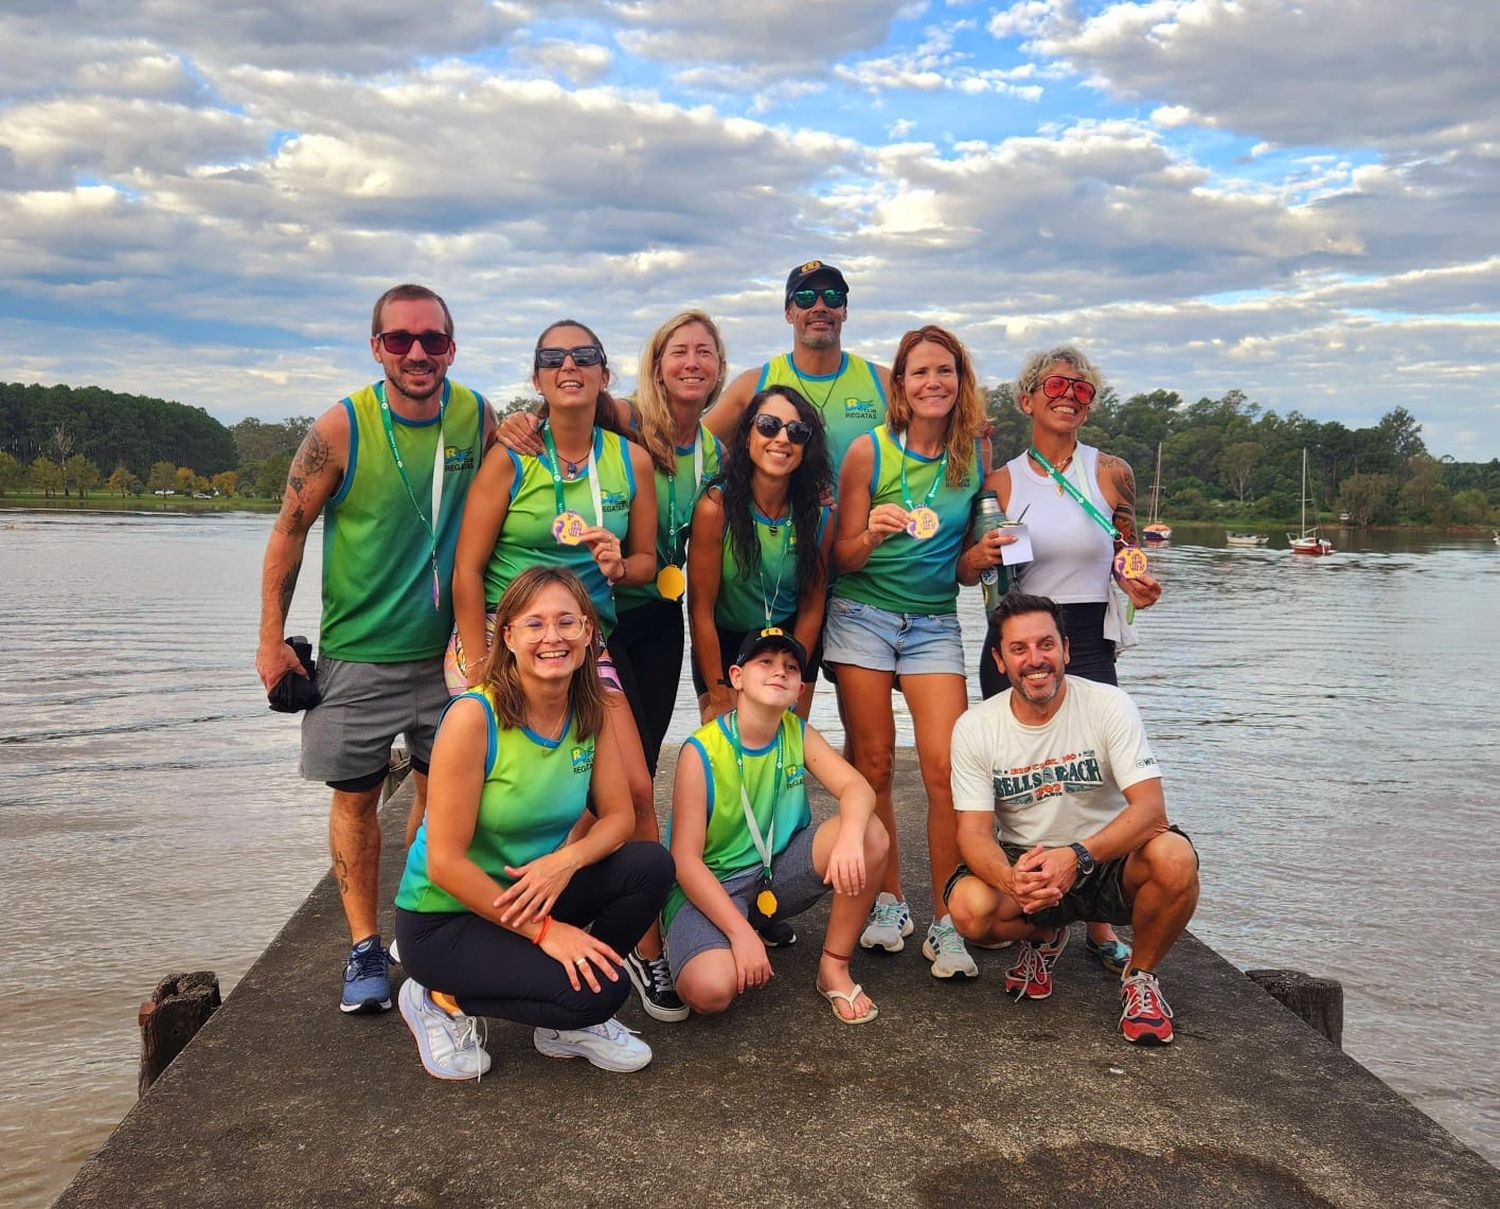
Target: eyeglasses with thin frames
<point x="533" y="630"/>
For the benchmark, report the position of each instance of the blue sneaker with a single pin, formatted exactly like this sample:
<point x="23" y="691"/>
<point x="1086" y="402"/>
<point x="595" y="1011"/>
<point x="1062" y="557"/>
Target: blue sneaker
<point x="1113" y="955"/>
<point x="367" y="979"/>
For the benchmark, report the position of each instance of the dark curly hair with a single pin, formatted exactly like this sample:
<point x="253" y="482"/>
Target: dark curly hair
<point x="810" y="483"/>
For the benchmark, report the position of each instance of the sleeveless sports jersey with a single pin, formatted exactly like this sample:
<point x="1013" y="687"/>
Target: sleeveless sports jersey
<point x="534" y="790"/>
<point x="904" y="575"/>
<point x="851" y="401"/>
<point x="1073" y="554"/>
<point x="713" y="454"/>
<point x="377" y="556"/>
<point x="526" y="536"/>
<point x="727" y="846"/>
<point x="745" y="595"/>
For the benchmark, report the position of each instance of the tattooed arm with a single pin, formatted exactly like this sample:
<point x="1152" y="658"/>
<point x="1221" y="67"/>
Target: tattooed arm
<point x="1117" y="481"/>
<point x="315" y="475"/>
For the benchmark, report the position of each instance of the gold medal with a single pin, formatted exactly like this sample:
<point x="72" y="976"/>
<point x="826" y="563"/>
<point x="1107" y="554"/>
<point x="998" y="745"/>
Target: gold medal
<point x="922" y="522"/>
<point x="1130" y="562"/>
<point x="671" y="582"/>
<point x="568" y="528"/>
<point x="765" y="902"/>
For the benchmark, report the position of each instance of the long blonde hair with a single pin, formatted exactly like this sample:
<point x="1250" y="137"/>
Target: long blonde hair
<point x="585" y="692"/>
<point x="655" y="425"/>
<point x="965" y="421"/>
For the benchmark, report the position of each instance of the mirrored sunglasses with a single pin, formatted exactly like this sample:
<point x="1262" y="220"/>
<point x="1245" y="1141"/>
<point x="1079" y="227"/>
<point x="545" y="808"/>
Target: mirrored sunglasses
<point x="584" y="355"/>
<point x="832" y="298"/>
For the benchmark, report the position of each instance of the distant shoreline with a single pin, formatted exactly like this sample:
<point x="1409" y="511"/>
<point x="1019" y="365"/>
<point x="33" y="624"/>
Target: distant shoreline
<point x="147" y="504"/>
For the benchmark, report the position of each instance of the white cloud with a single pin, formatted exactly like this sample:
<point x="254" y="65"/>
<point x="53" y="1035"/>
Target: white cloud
<point x="580" y="62"/>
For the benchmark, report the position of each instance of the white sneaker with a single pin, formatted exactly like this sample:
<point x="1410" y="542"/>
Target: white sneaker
<point x="944" y="947"/>
<point x="890" y="922"/>
<point x="609" y="1046"/>
<point x="449" y="1045"/>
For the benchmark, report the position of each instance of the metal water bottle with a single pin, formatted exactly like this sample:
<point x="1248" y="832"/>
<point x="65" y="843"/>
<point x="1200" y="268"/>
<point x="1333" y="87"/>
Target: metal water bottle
<point x="993" y="581"/>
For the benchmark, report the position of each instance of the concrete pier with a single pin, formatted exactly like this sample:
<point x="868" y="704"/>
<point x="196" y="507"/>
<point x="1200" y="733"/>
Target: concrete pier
<point x="955" y="1096"/>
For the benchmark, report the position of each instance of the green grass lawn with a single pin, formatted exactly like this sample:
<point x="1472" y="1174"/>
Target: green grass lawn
<point x="101" y="501"/>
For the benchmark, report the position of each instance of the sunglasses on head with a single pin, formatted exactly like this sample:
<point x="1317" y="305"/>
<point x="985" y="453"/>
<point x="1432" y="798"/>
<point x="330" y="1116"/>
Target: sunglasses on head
<point x="398" y="344"/>
<point x="832" y="298"/>
<point x="1055" y="386"/>
<point x="768" y="426"/>
<point x="583" y="356"/>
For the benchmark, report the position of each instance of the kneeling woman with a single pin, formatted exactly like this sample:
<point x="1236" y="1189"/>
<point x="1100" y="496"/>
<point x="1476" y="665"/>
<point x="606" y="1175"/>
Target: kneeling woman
<point x="493" y="906"/>
<point x="744" y="846"/>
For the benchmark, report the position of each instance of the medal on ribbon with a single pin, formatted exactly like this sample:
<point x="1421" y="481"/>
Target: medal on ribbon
<point x="765" y="901"/>
<point x="922" y="522"/>
<point x="1130" y="562"/>
<point x="671" y="582"/>
<point x="568" y="528"/>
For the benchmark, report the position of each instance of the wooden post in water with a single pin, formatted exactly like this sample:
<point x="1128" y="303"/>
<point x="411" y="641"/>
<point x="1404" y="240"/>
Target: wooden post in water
<point x="1318" y="1001"/>
<point x="177" y="1009"/>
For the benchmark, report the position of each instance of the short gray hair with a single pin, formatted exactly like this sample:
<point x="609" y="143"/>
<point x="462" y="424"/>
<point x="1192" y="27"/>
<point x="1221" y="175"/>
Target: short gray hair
<point x="1036" y="365"/>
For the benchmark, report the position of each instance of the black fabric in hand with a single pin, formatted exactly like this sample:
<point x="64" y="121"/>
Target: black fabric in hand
<point x="294" y="693"/>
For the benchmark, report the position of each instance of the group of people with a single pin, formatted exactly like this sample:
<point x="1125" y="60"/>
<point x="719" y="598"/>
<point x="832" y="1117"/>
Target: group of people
<point x="523" y="583"/>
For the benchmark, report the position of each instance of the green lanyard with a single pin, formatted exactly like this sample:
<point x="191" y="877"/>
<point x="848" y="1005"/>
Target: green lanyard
<point x="557" y="478"/>
<point x="937" y="480"/>
<point x="1071" y="488"/>
<point x="786" y="542"/>
<point x="762" y="843"/>
<point x="674" y="529"/>
<point x="437" y="482"/>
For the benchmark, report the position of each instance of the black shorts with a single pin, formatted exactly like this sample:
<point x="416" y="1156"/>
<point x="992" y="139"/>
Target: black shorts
<point x="1100" y="899"/>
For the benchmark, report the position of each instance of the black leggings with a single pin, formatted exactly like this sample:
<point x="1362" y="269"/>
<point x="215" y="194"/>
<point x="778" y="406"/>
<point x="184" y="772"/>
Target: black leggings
<point x="1090" y="655"/>
<point x="493" y="971"/>
<point x="647" y="649"/>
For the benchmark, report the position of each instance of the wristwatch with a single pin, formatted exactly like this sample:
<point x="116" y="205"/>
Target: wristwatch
<point x="1086" y="862"/>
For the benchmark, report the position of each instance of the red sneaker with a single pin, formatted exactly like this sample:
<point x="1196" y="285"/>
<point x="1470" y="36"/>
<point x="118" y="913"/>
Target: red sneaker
<point x="1031" y="976"/>
<point x="1146" y="1017"/>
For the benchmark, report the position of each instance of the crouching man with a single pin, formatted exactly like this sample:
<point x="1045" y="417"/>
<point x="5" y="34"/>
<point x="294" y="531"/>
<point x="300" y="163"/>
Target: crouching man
<point x="1065" y="766"/>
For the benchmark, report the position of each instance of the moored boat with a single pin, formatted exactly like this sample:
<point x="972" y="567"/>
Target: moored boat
<point x="1156" y="530"/>
<point x="1245" y="539"/>
<point x="1311" y="539"/>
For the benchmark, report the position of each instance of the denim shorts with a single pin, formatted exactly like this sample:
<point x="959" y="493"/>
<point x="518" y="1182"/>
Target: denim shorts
<point x="909" y="644"/>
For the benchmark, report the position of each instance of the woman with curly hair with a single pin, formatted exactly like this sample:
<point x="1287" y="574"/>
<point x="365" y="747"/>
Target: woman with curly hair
<point x="759" y="550"/>
<point x="905" y="491"/>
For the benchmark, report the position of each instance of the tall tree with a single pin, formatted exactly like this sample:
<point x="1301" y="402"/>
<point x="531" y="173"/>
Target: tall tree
<point x="46" y="476"/>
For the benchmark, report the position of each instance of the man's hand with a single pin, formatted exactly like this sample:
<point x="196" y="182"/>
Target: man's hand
<point x="517" y="432"/>
<point x="273" y="660"/>
<point x="1043" y="876"/>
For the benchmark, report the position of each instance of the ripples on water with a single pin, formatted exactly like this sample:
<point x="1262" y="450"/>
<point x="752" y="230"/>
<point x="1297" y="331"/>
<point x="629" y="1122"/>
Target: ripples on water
<point x="1326" y="730"/>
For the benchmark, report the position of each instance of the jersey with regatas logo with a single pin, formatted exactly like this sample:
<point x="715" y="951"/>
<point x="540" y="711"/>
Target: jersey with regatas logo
<point x="727" y="846"/>
<point x="687" y="496"/>
<point x="377" y="556"/>
<point x="904" y="574"/>
<point x="534" y="790"/>
<point x="526" y="538"/>
<point x="851" y="401"/>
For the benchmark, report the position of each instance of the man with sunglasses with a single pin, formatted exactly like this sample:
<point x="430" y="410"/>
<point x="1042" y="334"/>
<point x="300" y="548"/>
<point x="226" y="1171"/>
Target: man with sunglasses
<point x="388" y="469"/>
<point x="848" y="391"/>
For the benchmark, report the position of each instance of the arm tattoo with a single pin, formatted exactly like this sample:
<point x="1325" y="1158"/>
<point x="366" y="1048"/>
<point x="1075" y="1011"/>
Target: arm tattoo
<point x="1124" y="512"/>
<point x="288" y="586"/>
<point x="315" y="452"/>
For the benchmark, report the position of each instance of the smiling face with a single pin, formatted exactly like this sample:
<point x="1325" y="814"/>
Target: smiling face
<point x="819" y="326"/>
<point x="770" y="677"/>
<point x="548" y="636"/>
<point x="1064" y="415"/>
<point x="1033" y="655"/>
<point x="775" y="456"/>
<point x="930" y="381"/>
<point x="569" y="386"/>
<point x="690" y="368"/>
<point x="417" y="374"/>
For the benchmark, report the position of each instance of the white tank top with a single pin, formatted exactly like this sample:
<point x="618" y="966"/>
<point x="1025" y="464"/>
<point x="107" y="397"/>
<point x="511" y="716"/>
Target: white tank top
<point x="1074" y="555"/>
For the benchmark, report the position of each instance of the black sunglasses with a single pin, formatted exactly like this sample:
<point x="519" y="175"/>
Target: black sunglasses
<point x="583" y="356"/>
<point x="831" y="297"/>
<point x="768" y="426"/>
<point x="398" y="344"/>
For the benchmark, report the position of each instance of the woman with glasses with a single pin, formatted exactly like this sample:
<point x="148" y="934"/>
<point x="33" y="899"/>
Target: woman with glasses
<point x="1072" y="495"/>
<point x="586" y="503"/>
<point x="905" y="492"/>
<point x="759" y="550"/>
<point x="499" y="912"/>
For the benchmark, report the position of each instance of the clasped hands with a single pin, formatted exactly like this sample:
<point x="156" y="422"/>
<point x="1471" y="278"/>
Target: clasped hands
<point x="1041" y="877"/>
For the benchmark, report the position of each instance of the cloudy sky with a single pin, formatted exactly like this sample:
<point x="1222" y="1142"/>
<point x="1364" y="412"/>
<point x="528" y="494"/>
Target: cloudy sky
<point x="1296" y="198"/>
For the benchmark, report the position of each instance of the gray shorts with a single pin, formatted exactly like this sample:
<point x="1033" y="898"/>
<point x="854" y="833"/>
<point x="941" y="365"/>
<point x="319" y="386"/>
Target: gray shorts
<point x="793" y="878"/>
<point x="348" y="735"/>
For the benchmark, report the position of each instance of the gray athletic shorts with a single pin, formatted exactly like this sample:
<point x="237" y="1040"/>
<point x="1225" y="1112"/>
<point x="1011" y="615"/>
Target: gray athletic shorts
<point x="348" y="735"/>
<point x="793" y="878"/>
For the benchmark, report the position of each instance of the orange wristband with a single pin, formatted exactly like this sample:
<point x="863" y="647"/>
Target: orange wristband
<point x="542" y="931"/>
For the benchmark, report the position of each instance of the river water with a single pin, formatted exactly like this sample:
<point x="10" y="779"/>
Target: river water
<point x="1326" y="729"/>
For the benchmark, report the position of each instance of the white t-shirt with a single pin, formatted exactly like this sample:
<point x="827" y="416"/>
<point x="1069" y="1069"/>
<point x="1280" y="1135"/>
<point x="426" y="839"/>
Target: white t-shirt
<point x="1056" y="783"/>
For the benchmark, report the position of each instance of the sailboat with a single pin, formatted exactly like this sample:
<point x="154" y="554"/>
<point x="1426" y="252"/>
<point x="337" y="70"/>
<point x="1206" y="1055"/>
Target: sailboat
<point x="1156" y="530"/>
<point x="1311" y="539"/>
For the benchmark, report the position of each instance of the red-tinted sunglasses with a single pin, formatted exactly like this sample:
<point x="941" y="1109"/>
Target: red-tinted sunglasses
<point x="398" y="344"/>
<point x="1055" y="386"/>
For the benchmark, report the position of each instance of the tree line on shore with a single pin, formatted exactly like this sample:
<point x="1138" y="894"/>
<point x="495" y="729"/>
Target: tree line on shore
<point x="1222" y="460"/>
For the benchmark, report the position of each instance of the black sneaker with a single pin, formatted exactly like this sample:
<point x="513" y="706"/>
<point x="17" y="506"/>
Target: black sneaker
<point x="653" y="982"/>
<point x="777" y="933"/>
